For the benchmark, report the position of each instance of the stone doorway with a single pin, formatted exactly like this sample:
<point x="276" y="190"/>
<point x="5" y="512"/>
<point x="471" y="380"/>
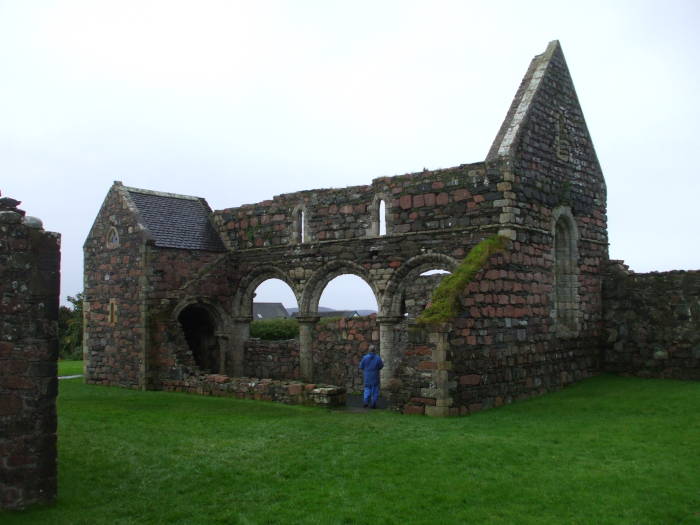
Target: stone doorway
<point x="199" y="328"/>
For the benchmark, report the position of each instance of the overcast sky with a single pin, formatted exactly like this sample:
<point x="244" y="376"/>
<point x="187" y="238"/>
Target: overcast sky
<point x="237" y="101"/>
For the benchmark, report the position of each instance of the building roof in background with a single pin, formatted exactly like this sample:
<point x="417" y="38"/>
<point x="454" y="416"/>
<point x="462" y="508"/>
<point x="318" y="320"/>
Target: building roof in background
<point x="176" y="221"/>
<point x="269" y="311"/>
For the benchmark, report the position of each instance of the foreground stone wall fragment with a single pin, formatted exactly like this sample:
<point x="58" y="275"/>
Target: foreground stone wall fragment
<point x="29" y="293"/>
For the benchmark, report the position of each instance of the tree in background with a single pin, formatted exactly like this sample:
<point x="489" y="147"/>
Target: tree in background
<point x="70" y="329"/>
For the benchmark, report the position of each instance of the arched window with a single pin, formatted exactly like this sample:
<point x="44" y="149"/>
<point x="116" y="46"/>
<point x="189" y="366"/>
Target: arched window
<point x="299" y="225"/>
<point x="380" y="223"/>
<point x="112" y="239"/>
<point x="382" y="217"/>
<point x="566" y="298"/>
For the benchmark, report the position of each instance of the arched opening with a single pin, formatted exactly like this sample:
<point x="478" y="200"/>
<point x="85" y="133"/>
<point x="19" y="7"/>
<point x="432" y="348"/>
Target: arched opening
<point x="347" y="293"/>
<point x="346" y="331"/>
<point x="199" y="328"/>
<point x="565" y="276"/>
<point x="382" y="217"/>
<point x="273" y="298"/>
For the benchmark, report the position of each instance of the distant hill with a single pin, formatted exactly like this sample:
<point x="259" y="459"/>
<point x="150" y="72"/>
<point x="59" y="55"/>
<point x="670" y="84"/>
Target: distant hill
<point x="324" y="309"/>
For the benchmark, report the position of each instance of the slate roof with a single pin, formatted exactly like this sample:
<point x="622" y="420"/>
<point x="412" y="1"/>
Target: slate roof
<point x="176" y="221"/>
<point x="269" y="311"/>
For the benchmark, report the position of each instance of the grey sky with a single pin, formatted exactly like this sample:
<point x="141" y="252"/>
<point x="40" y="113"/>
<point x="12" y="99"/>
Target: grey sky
<point x="240" y="101"/>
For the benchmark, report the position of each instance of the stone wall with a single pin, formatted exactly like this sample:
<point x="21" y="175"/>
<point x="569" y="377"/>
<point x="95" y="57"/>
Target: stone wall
<point x="29" y="293"/>
<point x="338" y="347"/>
<point x="289" y="392"/>
<point x="464" y="196"/>
<point x="115" y="272"/>
<point x="272" y="359"/>
<point x="652" y="323"/>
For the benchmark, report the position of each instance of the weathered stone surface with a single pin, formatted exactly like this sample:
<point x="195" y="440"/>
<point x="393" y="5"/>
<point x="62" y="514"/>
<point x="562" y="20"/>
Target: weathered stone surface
<point x="652" y="323"/>
<point x="529" y="322"/>
<point x="29" y="288"/>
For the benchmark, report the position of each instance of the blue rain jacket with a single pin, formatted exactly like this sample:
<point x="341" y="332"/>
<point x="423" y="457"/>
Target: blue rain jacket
<point x="371" y="364"/>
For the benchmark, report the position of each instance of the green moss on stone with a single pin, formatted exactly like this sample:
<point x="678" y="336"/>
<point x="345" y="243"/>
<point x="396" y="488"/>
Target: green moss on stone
<point x="444" y="304"/>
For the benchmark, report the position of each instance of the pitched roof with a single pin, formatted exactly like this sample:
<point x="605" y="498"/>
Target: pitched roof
<point x="176" y="221"/>
<point x="269" y="311"/>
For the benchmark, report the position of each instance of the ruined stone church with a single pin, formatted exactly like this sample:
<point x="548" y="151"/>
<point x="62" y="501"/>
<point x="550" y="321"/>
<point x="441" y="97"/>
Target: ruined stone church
<point x="169" y="283"/>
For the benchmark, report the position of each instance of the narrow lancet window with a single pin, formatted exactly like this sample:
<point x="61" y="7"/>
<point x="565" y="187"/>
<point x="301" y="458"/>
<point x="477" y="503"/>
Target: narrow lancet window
<point x="300" y="226"/>
<point x="382" y="217"/>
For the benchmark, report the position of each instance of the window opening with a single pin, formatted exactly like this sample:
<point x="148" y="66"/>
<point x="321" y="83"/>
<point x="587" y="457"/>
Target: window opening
<point x="112" y="238"/>
<point x="382" y="217"/>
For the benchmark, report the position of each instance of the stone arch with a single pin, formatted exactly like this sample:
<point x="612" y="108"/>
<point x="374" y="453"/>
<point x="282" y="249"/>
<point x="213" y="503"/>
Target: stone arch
<point x="376" y="219"/>
<point x="565" y="296"/>
<point x="243" y="300"/>
<point x="408" y="271"/>
<point x="321" y="277"/>
<point x="203" y="323"/>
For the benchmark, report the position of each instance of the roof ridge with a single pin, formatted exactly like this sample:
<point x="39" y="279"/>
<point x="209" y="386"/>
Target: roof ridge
<point x="163" y="194"/>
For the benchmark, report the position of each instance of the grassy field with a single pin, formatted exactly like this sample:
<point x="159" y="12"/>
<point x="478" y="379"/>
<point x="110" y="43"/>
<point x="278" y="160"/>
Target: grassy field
<point x="70" y="368"/>
<point x="608" y="450"/>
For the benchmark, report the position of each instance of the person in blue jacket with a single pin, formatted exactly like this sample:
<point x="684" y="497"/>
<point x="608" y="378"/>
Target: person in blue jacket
<point x="371" y="364"/>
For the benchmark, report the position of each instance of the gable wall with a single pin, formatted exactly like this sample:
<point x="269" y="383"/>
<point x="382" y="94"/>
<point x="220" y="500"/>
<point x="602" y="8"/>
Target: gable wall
<point x="114" y="351"/>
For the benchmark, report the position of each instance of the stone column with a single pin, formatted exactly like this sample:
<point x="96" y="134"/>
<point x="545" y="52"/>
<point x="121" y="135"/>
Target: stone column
<point x="240" y="333"/>
<point x="441" y="372"/>
<point x="306" y="331"/>
<point x="222" y="343"/>
<point x="387" y="347"/>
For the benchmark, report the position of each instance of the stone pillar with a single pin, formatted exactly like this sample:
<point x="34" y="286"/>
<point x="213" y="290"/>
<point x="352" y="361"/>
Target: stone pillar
<point x="29" y="290"/>
<point x="222" y="343"/>
<point x="306" y="332"/>
<point x="441" y="373"/>
<point x="240" y="333"/>
<point x="387" y="347"/>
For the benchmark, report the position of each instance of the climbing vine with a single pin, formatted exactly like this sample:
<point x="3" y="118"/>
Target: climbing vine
<point x="444" y="305"/>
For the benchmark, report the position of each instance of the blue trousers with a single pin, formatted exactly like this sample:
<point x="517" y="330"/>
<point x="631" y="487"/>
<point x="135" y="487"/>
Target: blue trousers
<point x="371" y="394"/>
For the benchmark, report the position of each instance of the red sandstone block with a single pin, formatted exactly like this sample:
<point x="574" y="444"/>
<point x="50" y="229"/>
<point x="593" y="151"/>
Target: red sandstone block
<point x="294" y="390"/>
<point x="418" y="201"/>
<point x="437" y="185"/>
<point x="405" y="202"/>
<point x="470" y="379"/>
<point x="429" y="199"/>
<point x="461" y="194"/>
<point x="442" y="199"/>
<point x="414" y="410"/>
<point x="5" y="349"/>
<point x="475" y="407"/>
<point x="310" y="386"/>
<point x="427" y="365"/>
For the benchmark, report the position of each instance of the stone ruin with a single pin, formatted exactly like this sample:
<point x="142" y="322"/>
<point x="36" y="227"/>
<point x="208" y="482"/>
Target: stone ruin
<point x="169" y="283"/>
<point x="29" y="291"/>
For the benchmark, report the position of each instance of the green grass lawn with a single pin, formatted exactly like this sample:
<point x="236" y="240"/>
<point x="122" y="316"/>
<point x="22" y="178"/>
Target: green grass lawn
<point x="70" y="368"/>
<point x="608" y="450"/>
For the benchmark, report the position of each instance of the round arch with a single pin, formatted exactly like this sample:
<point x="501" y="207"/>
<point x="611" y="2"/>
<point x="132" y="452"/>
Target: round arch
<point x="202" y="322"/>
<point x="321" y="277"/>
<point x="409" y="271"/>
<point x="243" y="299"/>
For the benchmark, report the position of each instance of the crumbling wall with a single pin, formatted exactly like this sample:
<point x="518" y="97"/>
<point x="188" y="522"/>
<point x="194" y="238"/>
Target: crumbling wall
<point x="273" y="359"/>
<point x="652" y="323"/>
<point x="445" y="199"/>
<point x="177" y="278"/>
<point x="29" y="292"/>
